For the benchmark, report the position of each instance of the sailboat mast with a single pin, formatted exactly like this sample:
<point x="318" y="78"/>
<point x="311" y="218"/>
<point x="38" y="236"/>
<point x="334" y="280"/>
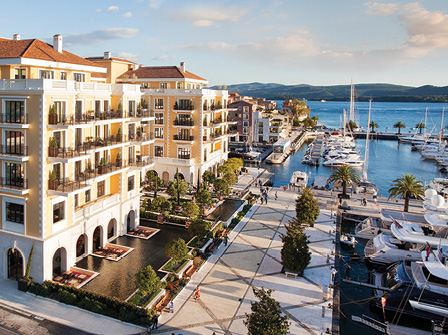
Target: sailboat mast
<point x="426" y="120"/>
<point x="366" y="155"/>
<point x="351" y="115"/>
<point x="441" y="128"/>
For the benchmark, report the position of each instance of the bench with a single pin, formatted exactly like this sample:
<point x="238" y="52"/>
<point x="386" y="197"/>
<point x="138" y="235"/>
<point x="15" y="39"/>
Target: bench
<point x="189" y="271"/>
<point x="161" y="305"/>
<point x="292" y="274"/>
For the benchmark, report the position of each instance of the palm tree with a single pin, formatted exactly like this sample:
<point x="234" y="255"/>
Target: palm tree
<point x="373" y="125"/>
<point x="420" y="126"/>
<point x="405" y="187"/>
<point x="351" y="125"/>
<point x="400" y="126"/>
<point x="344" y="175"/>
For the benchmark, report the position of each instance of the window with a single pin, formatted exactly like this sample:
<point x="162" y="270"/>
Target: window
<point x="260" y="130"/>
<point x="15" y="111"/>
<point x="131" y="107"/>
<point x="159" y="118"/>
<point x="244" y="130"/>
<point x="164" y="85"/>
<point x="245" y="123"/>
<point x="87" y="196"/>
<point x="14" y="142"/>
<point x="101" y="189"/>
<point x="130" y="183"/>
<point x="14" y="174"/>
<point x="179" y="86"/>
<point x="60" y="107"/>
<point x="19" y="73"/>
<point x="58" y="212"/>
<point x="81" y="77"/>
<point x="46" y="74"/>
<point x="63" y="75"/>
<point x="76" y="200"/>
<point x="183" y="153"/>
<point x="246" y="109"/>
<point x="185" y="104"/>
<point x="15" y="212"/>
<point x="106" y="106"/>
<point x="158" y="103"/>
<point x="245" y="116"/>
<point x="158" y="151"/>
<point x="158" y="132"/>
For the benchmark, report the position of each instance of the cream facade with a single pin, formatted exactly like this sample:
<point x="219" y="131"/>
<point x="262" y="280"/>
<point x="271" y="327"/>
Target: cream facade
<point x="73" y="151"/>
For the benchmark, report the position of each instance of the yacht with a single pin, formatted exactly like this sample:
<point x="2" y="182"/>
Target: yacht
<point x="418" y="289"/>
<point x="299" y="179"/>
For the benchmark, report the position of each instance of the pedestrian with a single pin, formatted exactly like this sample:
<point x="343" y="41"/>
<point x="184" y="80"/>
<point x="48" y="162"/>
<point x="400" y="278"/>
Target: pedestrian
<point x="197" y="293"/>
<point x="171" y="306"/>
<point x="266" y="200"/>
<point x="155" y="321"/>
<point x="347" y="272"/>
<point x="226" y="238"/>
<point x="276" y="196"/>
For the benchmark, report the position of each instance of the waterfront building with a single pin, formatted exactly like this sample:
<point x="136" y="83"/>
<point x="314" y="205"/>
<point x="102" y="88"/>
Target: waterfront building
<point x="242" y="112"/>
<point x="74" y="144"/>
<point x="192" y="124"/>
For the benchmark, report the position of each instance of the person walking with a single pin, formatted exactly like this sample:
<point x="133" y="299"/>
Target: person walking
<point x="266" y="200"/>
<point x="155" y="321"/>
<point x="197" y="294"/>
<point x="276" y="195"/>
<point x="226" y="239"/>
<point x="171" y="306"/>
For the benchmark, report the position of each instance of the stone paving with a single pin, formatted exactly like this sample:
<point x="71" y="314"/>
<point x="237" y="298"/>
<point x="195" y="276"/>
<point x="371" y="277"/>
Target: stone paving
<point x="252" y="258"/>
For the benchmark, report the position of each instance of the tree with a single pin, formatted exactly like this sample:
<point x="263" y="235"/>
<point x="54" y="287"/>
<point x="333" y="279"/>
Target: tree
<point x="295" y="251"/>
<point x="373" y="125"/>
<point x="266" y="317"/>
<point x="308" y="123"/>
<point x="190" y="209"/>
<point x="208" y="177"/>
<point x="174" y="191"/>
<point x="153" y="180"/>
<point x="420" y="126"/>
<point x="405" y="187"/>
<point x="235" y="163"/>
<point x="221" y="187"/>
<point x="230" y="178"/>
<point x="299" y="108"/>
<point x="199" y="228"/>
<point x="177" y="249"/>
<point x="344" y="175"/>
<point x="315" y="118"/>
<point x="351" y="125"/>
<point x="224" y="169"/>
<point x="147" y="280"/>
<point x="306" y="207"/>
<point x="400" y="126"/>
<point x="160" y="204"/>
<point x="203" y="196"/>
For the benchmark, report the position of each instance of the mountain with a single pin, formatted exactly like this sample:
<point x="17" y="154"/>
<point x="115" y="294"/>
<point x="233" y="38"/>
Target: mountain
<point x="379" y="92"/>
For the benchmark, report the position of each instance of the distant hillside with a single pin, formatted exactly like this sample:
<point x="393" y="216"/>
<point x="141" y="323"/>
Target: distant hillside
<point x="379" y="92"/>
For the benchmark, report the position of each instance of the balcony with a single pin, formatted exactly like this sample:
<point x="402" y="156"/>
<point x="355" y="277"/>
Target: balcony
<point x="141" y="163"/>
<point x="92" y="116"/>
<point x="142" y="138"/>
<point x="14" y="119"/>
<point x="184" y="123"/>
<point x="187" y="138"/>
<point x="174" y="161"/>
<point x="8" y="150"/>
<point x="217" y="121"/>
<point x="15" y="185"/>
<point x="141" y="114"/>
<point x="183" y="107"/>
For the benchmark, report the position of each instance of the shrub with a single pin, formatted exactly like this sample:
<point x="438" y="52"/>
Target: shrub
<point x="66" y="297"/>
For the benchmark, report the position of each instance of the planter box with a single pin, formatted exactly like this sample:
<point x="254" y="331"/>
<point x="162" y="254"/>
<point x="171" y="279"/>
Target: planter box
<point x="53" y="119"/>
<point x="181" y="270"/>
<point x="156" y="298"/>
<point x="204" y="247"/>
<point x="119" y="162"/>
<point x="23" y="284"/>
<point x="102" y="169"/>
<point x="53" y="151"/>
<point x="53" y="184"/>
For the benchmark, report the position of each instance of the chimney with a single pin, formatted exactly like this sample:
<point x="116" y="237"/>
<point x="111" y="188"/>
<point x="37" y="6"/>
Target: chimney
<point x="107" y="55"/>
<point x="182" y="66"/>
<point x="16" y="37"/>
<point x="57" y="43"/>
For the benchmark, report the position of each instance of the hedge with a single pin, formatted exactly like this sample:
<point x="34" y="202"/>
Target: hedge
<point x="171" y="219"/>
<point x="97" y="303"/>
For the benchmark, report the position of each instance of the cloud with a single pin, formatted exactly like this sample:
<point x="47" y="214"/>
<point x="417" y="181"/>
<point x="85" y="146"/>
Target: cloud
<point x="164" y="58"/>
<point x="127" y="15"/>
<point x="209" y="15"/>
<point x="128" y="56"/>
<point x="155" y="4"/>
<point x="112" y="9"/>
<point x="100" y="35"/>
<point x="381" y="9"/>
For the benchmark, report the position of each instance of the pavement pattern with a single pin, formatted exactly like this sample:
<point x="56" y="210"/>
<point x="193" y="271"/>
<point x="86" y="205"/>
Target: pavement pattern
<point x="252" y="258"/>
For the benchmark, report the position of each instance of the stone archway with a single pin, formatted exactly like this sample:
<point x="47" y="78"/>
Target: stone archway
<point x="15" y="264"/>
<point x="181" y="176"/>
<point x="81" y="245"/>
<point x="97" y="238"/>
<point x="165" y="176"/>
<point x="111" y="229"/>
<point x="59" y="261"/>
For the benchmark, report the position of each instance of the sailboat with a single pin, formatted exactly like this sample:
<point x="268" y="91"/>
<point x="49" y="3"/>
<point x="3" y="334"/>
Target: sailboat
<point x="366" y="186"/>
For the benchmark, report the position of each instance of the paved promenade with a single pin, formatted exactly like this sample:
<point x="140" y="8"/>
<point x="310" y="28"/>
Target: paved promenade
<point x="252" y="258"/>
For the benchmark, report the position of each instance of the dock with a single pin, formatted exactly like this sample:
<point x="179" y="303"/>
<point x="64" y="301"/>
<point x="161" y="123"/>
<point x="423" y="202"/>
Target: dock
<point x="316" y="152"/>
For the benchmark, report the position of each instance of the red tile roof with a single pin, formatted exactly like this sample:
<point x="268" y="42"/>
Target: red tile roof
<point x="37" y="49"/>
<point x="154" y="72"/>
<point x="99" y="59"/>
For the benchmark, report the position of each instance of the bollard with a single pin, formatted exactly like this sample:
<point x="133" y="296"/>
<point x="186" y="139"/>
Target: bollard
<point x="323" y="311"/>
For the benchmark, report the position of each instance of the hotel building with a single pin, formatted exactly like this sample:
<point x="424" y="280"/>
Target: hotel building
<point x="73" y="147"/>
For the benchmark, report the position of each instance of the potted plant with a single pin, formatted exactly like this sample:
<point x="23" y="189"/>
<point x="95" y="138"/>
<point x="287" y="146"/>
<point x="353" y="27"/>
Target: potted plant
<point x="53" y="182"/>
<point x="119" y="135"/>
<point x="120" y="110"/>
<point x="139" y="157"/>
<point x="191" y="105"/>
<point x="103" y="166"/>
<point x="25" y="282"/>
<point x="119" y="160"/>
<point x="176" y="106"/>
<point x="54" y="149"/>
<point x="53" y="117"/>
<point x="139" y="131"/>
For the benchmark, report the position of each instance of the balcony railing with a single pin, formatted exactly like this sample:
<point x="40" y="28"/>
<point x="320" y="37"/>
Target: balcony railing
<point x="188" y="123"/>
<point x="183" y="107"/>
<point x="217" y="121"/>
<point x="13" y="151"/>
<point x="141" y="138"/>
<point x="183" y="138"/>
<point x="92" y="116"/>
<point x="11" y="118"/>
<point x="14" y="183"/>
<point x="141" y="162"/>
<point x="83" y="148"/>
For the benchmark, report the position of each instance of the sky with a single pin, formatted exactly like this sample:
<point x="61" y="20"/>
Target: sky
<point x="316" y="42"/>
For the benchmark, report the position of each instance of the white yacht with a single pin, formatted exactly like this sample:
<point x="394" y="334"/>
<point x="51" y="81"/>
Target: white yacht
<point x="299" y="179"/>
